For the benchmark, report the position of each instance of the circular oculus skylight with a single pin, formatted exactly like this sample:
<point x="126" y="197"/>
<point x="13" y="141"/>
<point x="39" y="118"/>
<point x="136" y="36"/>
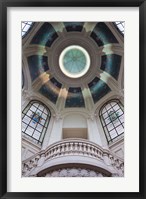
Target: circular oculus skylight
<point x="74" y="61"/>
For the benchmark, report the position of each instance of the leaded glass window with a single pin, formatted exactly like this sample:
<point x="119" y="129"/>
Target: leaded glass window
<point x="35" y="120"/>
<point x="120" y="26"/>
<point x="112" y="119"/>
<point x="26" y="26"/>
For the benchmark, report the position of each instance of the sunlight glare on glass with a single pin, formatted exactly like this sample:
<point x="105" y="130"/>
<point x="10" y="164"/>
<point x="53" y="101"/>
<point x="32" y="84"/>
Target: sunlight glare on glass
<point x="26" y="25"/>
<point x="120" y="26"/>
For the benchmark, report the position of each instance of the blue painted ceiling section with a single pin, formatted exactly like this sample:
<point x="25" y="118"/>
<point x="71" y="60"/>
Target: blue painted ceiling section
<point x="111" y="64"/>
<point x="98" y="89"/>
<point x="37" y="64"/>
<point x="55" y="82"/>
<point x="74" y="98"/>
<point x="45" y="36"/>
<point x="74" y="26"/>
<point x="50" y="91"/>
<point x="102" y="34"/>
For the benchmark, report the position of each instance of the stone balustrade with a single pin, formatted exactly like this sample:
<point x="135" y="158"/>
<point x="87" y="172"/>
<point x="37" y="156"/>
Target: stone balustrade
<point x="73" y="147"/>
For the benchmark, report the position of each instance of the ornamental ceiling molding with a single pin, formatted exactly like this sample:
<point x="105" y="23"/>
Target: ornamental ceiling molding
<point x="68" y="39"/>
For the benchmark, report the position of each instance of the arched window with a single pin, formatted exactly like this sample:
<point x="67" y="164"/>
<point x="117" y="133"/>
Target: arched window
<point x="120" y="26"/>
<point x="35" y="120"/>
<point x="26" y="27"/>
<point x="112" y="119"/>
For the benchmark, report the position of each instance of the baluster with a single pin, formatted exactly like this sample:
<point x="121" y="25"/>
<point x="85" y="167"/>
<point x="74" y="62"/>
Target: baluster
<point x="66" y="148"/>
<point x="96" y="152"/>
<point x="63" y="149"/>
<point x="52" y="152"/>
<point x="60" y="152"/>
<point x="76" y="148"/>
<point x="88" y="150"/>
<point x="57" y="150"/>
<point x="71" y="147"/>
<point x="84" y="149"/>
<point x="92" y="150"/>
<point x="80" y="147"/>
<point x="101" y="156"/>
<point x="48" y="154"/>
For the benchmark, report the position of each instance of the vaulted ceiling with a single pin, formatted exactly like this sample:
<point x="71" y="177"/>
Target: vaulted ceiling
<point x="41" y="51"/>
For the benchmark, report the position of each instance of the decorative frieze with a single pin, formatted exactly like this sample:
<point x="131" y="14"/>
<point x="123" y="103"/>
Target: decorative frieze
<point x="74" y="172"/>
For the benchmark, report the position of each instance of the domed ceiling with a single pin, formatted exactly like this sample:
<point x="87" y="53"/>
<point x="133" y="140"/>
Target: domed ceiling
<point x="73" y="61"/>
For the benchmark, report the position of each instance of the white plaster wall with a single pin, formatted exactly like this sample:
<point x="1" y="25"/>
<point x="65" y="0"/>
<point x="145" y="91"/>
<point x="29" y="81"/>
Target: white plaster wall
<point x="118" y="148"/>
<point x="56" y="132"/>
<point x="29" y="149"/>
<point x="74" y="120"/>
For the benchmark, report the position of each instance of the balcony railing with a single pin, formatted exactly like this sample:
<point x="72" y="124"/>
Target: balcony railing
<point x="73" y="147"/>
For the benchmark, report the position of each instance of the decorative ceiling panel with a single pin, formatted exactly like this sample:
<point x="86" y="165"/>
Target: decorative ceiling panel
<point x="74" y="98"/>
<point x="51" y="92"/>
<point x="102" y="34"/>
<point x="98" y="89"/>
<point x="74" y="26"/>
<point x="37" y="64"/>
<point x="45" y="36"/>
<point x="55" y="82"/>
<point x="111" y="64"/>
